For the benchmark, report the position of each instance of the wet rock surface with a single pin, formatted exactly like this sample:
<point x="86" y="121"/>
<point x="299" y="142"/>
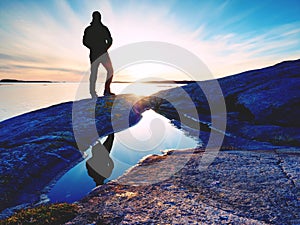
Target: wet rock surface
<point x="237" y="188"/>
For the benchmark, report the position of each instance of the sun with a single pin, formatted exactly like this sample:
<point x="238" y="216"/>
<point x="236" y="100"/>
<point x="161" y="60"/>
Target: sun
<point x="150" y="71"/>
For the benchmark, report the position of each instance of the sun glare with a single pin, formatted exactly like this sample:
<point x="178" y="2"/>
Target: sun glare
<point x="142" y="72"/>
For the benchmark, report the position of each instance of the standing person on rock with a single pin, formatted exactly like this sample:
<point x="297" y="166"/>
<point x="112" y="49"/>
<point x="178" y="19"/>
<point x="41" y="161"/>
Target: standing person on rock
<point x="98" y="39"/>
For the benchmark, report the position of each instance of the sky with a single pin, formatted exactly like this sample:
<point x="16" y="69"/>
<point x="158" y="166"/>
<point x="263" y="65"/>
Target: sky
<point x="42" y="40"/>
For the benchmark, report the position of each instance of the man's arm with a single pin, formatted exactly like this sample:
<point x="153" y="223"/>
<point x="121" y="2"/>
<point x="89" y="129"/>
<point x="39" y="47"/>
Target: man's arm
<point x="85" y="40"/>
<point x="108" y="39"/>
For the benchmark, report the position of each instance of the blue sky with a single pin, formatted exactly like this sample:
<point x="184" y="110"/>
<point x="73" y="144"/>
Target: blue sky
<point x="42" y="39"/>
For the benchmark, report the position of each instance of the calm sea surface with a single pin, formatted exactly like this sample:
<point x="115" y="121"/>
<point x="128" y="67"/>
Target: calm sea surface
<point x="19" y="98"/>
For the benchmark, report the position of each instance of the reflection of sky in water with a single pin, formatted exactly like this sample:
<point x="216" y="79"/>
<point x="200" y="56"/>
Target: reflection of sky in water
<point x="151" y="135"/>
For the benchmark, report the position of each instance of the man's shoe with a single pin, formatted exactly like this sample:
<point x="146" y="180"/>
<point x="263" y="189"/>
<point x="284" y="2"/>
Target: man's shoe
<point x="107" y="93"/>
<point x="94" y="95"/>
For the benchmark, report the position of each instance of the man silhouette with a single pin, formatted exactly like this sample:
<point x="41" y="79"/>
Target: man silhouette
<point x="98" y="39"/>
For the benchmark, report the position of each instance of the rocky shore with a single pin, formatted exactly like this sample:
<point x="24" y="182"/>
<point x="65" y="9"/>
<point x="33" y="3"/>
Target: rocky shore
<point x="239" y="187"/>
<point x="262" y="106"/>
<point x="37" y="146"/>
<point x="254" y="179"/>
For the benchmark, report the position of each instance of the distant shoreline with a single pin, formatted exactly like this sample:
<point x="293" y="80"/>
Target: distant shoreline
<point x="46" y="81"/>
<point x="27" y="81"/>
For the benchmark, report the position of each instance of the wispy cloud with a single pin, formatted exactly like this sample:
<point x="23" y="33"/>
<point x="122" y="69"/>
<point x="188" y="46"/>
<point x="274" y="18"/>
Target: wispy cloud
<point x="46" y="43"/>
<point x="42" y="40"/>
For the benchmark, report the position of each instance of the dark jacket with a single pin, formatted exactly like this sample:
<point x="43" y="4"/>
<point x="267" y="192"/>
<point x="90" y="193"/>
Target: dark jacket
<point x="97" y="38"/>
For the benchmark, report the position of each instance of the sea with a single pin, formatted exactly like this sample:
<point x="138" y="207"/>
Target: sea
<point x="19" y="98"/>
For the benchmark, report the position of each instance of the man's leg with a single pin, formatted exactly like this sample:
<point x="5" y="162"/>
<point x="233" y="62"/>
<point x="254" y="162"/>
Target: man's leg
<point x="93" y="77"/>
<point x="106" y="62"/>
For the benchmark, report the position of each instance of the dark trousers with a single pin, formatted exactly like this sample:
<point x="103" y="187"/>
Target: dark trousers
<point x="104" y="59"/>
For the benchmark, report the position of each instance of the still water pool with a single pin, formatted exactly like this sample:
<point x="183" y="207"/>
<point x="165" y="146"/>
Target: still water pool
<point x="151" y="135"/>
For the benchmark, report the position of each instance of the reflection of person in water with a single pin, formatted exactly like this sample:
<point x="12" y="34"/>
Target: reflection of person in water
<point x="98" y="39"/>
<point x="101" y="165"/>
